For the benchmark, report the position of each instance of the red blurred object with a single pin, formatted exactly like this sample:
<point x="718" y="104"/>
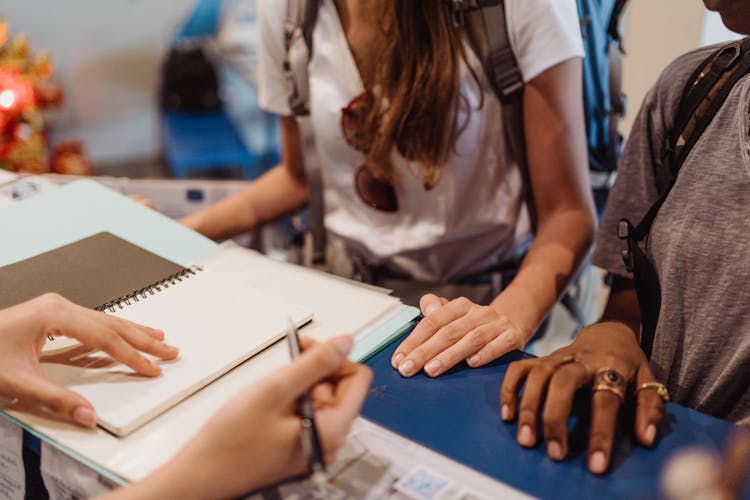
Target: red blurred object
<point x="27" y="93"/>
<point x="68" y="158"/>
<point x="16" y="93"/>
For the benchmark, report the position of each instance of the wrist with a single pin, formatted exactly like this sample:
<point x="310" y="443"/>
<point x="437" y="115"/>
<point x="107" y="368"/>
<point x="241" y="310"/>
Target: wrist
<point x="620" y="325"/>
<point x="520" y="307"/>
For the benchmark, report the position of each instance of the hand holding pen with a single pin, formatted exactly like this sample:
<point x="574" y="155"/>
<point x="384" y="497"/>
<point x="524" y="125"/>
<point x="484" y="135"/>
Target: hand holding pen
<point x="254" y="440"/>
<point x="309" y="438"/>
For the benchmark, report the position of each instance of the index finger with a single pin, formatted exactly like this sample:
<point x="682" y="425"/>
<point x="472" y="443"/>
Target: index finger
<point x="316" y="363"/>
<point x="334" y="419"/>
<point x="351" y="389"/>
<point x="101" y="335"/>
<point x="120" y="338"/>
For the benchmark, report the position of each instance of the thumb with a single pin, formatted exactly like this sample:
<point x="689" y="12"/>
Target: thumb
<point x="429" y="303"/>
<point x="316" y="363"/>
<point x="39" y="391"/>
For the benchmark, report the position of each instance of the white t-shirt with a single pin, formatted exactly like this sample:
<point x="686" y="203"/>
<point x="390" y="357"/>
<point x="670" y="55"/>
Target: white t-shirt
<point x="475" y="216"/>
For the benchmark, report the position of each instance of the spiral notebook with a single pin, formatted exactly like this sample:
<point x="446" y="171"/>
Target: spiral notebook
<point x="216" y="322"/>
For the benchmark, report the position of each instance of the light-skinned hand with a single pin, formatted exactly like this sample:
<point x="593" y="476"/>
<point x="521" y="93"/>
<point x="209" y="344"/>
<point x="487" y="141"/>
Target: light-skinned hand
<point x="254" y="440"/>
<point x="23" y="332"/>
<point x="551" y="384"/>
<point x="454" y="331"/>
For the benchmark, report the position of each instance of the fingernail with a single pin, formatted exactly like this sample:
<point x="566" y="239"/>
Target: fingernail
<point x="650" y="434"/>
<point x="433" y="367"/>
<point x="474" y="360"/>
<point x="173" y="349"/>
<point x="406" y="368"/>
<point x="430" y="309"/>
<point x="554" y="450"/>
<point x="156" y="367"/>
<point x="343" y="344"/>
<point x="397" y="359"/>
<point x="505" y="412"/>
<point x="598" y="462"/>
<point x="84" y="416"/>
<point x="525" y="436"/>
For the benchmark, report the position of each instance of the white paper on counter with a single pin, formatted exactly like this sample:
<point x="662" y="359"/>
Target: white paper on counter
<point x="12" y="475"/>
<point x="66" y="478"/>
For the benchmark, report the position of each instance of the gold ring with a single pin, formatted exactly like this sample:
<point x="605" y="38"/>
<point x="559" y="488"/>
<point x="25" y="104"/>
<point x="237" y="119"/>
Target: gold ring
<point x="607" y="379"/>
<point x="604" y="387"/>
<point x="661" y="389"/>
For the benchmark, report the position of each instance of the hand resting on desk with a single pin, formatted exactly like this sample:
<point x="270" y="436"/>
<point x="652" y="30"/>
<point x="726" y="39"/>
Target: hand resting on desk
<point x="254" y="440"/>
<point x="552" y="381"/>
<point x="454" y="331"/>
<point x="23" y="332"/>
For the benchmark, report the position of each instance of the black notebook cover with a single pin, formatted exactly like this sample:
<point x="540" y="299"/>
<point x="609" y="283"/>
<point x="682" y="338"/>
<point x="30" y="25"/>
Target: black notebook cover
<point x="89" y="272"/>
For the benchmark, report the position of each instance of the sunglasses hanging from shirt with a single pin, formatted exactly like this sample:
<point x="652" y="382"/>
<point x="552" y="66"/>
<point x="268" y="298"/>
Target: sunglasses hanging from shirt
<point x="376" y="193"/>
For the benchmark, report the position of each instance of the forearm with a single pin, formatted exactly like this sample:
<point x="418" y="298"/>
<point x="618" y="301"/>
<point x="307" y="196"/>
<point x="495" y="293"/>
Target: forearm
<point x="561" y="244"/>
<point x="273" y="195"/>
<point x="184" y="478"/>
<point x="161" y="484"/>
<point x="554" y="131"/>
<point x="622" y="305"/>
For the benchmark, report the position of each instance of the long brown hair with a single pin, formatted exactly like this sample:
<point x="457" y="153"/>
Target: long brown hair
<point x="416" y="76"/>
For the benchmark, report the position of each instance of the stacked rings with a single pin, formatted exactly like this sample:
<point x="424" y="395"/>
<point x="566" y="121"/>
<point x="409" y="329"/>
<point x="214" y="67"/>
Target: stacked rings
<point x="607" y="379"/>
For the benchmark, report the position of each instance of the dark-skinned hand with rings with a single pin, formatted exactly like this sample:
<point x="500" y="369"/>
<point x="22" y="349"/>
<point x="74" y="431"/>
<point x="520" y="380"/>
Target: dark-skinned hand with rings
<point x="607" y="358"/>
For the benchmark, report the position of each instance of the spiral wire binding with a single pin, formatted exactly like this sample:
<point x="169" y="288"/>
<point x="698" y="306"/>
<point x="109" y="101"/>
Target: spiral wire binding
<point x="147" y="291"/>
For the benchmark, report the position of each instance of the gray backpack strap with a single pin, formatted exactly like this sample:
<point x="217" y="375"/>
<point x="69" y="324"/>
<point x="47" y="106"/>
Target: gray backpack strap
<point x="299" y="23"/>
<point x="487" y="28"/>
<point x="315" y="203"/>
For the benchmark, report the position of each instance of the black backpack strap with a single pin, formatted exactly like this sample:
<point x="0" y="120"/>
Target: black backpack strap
<point x="704" y="94"/>
<point x="617" y="99"/>
<point x="614" y="22"/>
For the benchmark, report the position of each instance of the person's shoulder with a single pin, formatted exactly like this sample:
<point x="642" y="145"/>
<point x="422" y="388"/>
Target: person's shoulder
<point x="543" y="33"/>
<point x="693" y="58"/>
<point x="541" y="11"/>
<point x="542" y="6"/>
<point x="673" y="79"/>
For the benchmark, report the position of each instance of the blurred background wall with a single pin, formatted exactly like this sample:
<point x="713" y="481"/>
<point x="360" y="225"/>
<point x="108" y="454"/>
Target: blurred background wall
<point x="106" y="56"/>
<point x="657" y="31"/>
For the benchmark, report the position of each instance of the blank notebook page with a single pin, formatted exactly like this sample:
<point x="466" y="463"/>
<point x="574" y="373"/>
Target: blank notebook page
<point x="215" y="322"/>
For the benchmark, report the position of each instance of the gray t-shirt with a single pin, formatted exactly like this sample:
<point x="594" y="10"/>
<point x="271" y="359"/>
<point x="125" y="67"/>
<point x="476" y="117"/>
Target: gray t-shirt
<point x="699" y="245"/>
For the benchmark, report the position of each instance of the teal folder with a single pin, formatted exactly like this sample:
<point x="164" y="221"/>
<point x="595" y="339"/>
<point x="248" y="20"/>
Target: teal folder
<point x="84" y="208"/>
